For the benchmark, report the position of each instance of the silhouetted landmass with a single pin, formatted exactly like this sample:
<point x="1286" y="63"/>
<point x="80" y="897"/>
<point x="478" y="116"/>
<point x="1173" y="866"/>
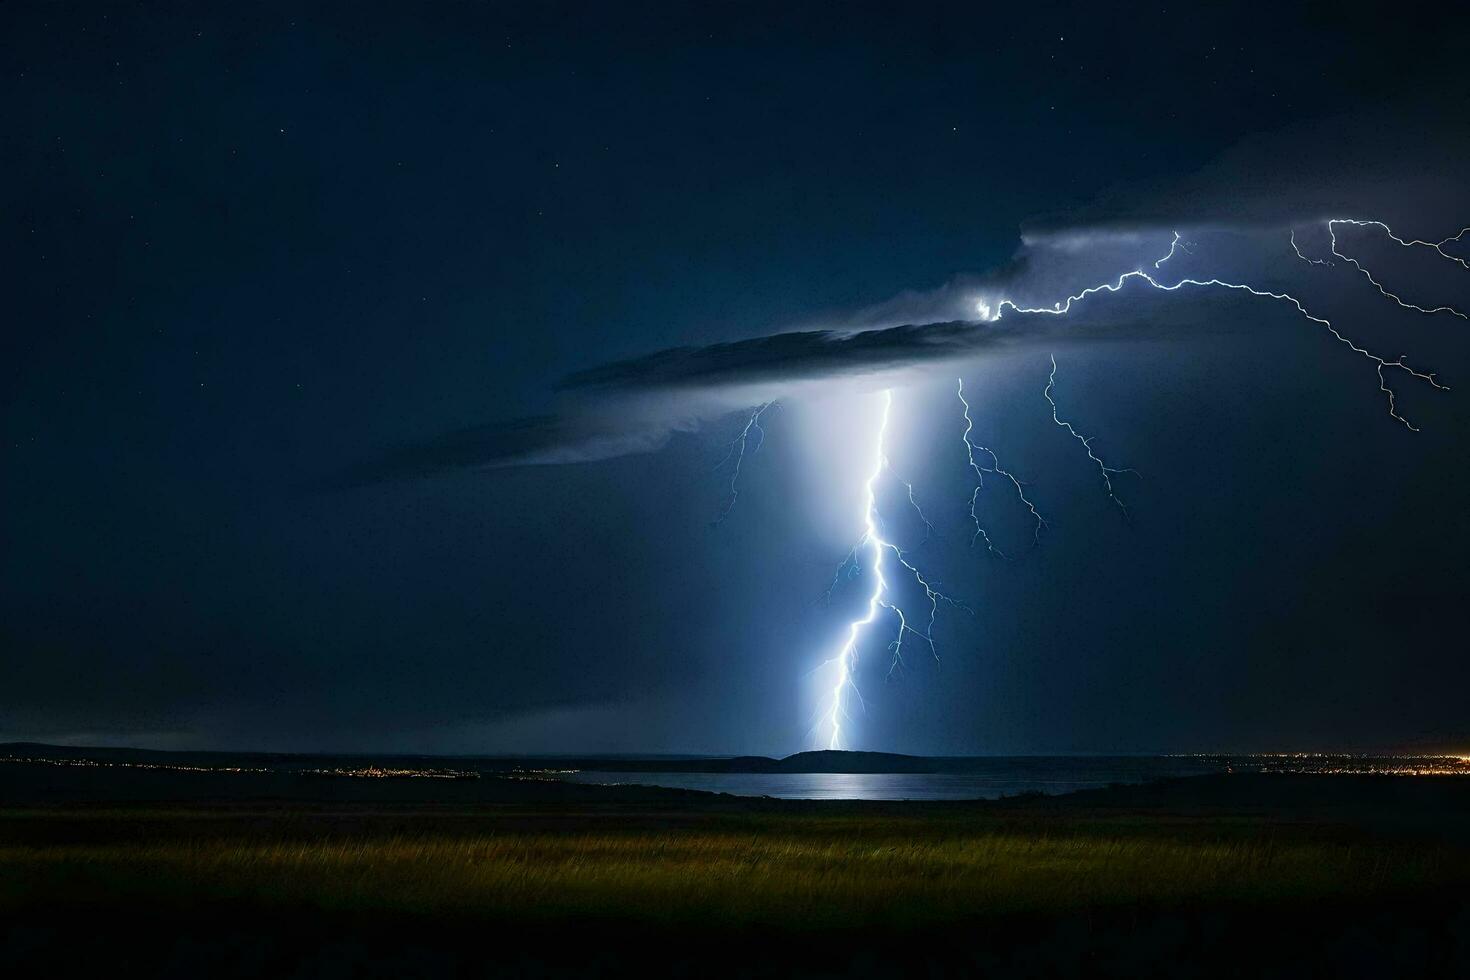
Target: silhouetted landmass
<point x="824" y="761"/>
<point x="808" y="762"/>
<point x="1427" y="802"/>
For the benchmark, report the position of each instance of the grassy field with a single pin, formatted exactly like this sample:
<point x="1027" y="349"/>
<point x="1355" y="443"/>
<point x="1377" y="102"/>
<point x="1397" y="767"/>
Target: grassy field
<point x="809" y="871"/>
<point x="1129" y="887"/>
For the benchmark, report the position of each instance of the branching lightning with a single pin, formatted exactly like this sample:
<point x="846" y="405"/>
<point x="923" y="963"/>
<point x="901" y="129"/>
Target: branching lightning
<point x="995" y="469"/>
<point x="1437" y="246"/>
<point x="1176" y="245"/>
<point x="848" y="654"/>
<point x="876" y="546"/>
<point x="1064" y="307"/>
<point x="873" y="543"/>
<point x="869" y="554"/>
<point x="737" y="452"/>
<point x="1409" y="243"/>
<point x="914" y="503"/>
<point x="1310" y="261"/>
<point x="1107" y="472"/>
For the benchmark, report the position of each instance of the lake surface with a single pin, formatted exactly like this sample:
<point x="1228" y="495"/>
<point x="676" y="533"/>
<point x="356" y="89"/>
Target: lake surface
<point x="1007" y="777"/>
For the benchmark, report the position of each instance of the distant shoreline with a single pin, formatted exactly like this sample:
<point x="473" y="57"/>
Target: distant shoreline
<point x="32" y="774"/>
<point x="815" y="762"/>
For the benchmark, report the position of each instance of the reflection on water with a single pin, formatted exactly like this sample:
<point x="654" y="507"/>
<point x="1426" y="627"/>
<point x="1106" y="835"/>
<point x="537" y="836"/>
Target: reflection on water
<point x="1007" y="778"/>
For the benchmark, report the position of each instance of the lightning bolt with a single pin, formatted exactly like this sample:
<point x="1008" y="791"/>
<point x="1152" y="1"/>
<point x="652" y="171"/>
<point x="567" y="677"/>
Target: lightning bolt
<point x="932" y="594"/>
<point x="913" y="502"/>
<point x="996" y="470"/>
<point x="877" y="547"/>
<point x="1064" y="307"/>
<point x="1107" y="472"/>
<point x="1295" y="248"/>
<point x="1410" y="243"/>
<point x="1437" y="246"/>
<point x="737" y="452"/>
<point x="1176" y="245"/>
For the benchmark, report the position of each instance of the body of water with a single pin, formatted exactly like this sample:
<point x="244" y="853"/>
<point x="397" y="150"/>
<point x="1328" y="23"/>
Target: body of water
<point x="1005" y="777"/>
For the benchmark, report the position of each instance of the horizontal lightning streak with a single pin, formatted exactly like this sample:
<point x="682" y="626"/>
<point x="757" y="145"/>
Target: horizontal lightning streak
<point x="1064" y="307"/>
<point x="1409" y="243"/>
<point x="1332" y="235"/>
<point x="1379" y="361"/>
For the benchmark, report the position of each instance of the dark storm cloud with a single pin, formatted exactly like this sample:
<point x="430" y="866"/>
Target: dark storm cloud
<point x="244" y="256"/>
<point x="590" y="431"/>
<point x="1265" y="185"/>
<point x="602" y="425"/>
<point x="541" y="439"/>
<point x="801" y="355"/>
<point x="1404" y="167"/>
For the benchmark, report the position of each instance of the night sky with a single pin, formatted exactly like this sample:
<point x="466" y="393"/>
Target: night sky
<point x="329" y="418"/>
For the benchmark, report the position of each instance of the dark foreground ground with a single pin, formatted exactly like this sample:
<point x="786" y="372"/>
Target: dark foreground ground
<point x="195" y="875"/>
